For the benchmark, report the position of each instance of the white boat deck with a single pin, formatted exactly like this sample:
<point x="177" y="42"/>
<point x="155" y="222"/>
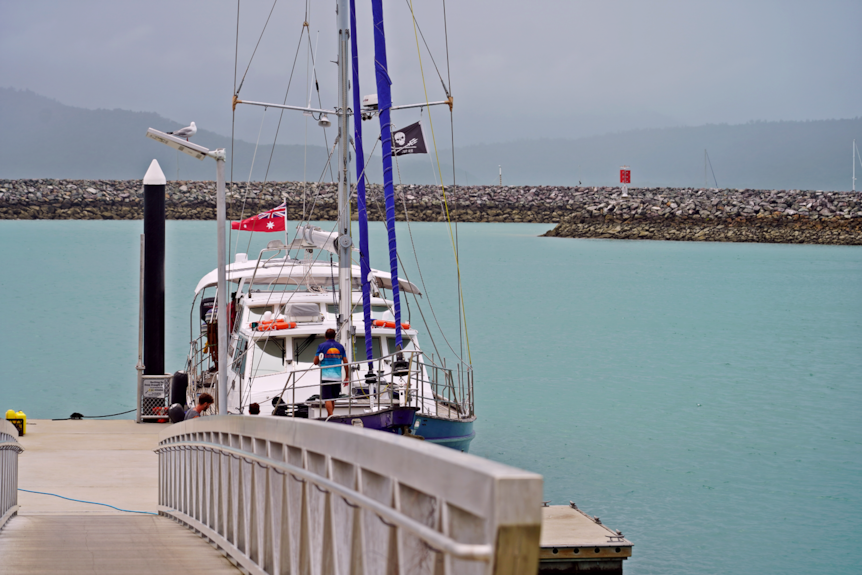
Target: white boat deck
<point x="108" y="461"/>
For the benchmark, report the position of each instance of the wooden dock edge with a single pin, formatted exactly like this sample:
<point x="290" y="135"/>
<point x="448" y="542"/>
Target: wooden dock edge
<point x="574" y="542"/>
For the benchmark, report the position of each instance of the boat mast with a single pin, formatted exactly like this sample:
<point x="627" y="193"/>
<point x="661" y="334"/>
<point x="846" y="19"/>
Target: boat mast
<point x="345" y="243"/>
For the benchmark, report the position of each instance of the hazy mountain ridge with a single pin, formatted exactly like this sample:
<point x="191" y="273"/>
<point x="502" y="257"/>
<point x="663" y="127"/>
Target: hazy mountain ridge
<point x="44" y="138"/>
<point x="762" y="155"/>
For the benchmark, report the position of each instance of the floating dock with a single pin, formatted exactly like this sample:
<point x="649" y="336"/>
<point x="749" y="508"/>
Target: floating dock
<point x="574" y="542"/>
<point x="113" y="462"/>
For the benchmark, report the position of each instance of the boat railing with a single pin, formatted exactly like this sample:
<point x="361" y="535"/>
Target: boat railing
<point x="407" y="378"/>
<point x="9" y="450"/>
<point x="200" y="365"/>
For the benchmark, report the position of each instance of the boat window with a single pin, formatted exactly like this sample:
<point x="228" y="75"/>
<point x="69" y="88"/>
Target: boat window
<point x="268" y="357"/>
<point x="406" y="341"/>
<point x="304" y="348"/>
<point x="255" y="313"/>
<point x="239" y="354"/>
<point x="359" y="348"/>
<point x="302" y="312"/>
<point x="377" y="311"/>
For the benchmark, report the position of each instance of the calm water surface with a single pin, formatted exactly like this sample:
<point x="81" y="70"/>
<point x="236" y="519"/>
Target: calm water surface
<point x="703" y="398"/>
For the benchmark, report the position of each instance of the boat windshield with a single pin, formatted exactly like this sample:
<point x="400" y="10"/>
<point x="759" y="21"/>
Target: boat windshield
<point x="269" y="356"/>
<point x="377" y="311"/>
<point x="408" y="343"/>
<point x="359" y="348"/>
<point x="305" y="347"/>
<point x="255" y="313"/>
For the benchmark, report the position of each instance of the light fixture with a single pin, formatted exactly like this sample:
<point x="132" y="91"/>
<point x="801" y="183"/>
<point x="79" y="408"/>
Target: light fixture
<point x="324" y="122"/>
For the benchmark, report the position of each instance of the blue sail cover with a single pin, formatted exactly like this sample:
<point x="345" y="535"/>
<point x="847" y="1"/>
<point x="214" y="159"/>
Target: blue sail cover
<point x="384" y="103"/>
<point x="364" y="264"/>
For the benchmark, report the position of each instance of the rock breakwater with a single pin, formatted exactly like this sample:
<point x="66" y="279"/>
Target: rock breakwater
<point x="776" y="216"/>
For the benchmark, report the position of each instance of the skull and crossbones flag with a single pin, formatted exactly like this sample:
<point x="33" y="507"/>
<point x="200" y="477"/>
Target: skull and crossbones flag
<point x="409" y="140"/>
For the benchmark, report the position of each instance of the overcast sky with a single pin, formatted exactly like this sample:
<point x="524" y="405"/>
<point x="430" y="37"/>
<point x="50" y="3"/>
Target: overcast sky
<point x="519" y="69"/>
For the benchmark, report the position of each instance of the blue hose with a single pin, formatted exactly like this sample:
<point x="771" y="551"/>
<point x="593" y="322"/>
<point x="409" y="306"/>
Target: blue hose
<point x="90" y="502"/>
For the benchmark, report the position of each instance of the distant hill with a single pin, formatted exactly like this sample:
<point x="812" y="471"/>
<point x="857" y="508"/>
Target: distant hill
<point x="43" y="138"/>
<point x="767" y="155"/>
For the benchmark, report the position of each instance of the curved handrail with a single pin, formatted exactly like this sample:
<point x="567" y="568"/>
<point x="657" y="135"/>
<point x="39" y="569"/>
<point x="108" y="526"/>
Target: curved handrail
<point x="434" y="539"/>
<point x="11" y="445"/>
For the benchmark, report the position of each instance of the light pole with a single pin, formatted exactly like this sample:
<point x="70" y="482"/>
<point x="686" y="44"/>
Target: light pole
<point x="218" y="155"/>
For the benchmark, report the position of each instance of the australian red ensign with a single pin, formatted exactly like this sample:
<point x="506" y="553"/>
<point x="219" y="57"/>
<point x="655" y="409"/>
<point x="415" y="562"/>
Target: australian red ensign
<point x="271" y="221"/>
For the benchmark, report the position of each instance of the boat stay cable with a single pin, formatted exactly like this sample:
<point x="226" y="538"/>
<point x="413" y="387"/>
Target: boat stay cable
<point x="241" y="82"/>
<point x="442" y="187"/>
<point x="421" y="277"/>
<point x="416" y="24"/>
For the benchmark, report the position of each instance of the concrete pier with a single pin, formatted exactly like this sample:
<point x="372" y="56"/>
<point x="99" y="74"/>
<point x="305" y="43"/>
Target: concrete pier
<point x="108" y="462"/>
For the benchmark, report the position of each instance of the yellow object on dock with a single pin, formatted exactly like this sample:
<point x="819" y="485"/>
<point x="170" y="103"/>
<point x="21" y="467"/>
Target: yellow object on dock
<point x="574" y="542"/>
<point x="18" y="419"/>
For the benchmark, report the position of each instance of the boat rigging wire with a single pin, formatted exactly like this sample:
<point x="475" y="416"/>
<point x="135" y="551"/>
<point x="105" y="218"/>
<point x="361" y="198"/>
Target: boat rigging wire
<point x="275" y="139"/>
<point x="416" y="24"/>
<point x="452" y="145"/>
<point x="443" y="188"/>
<point x="419" y="268"/>
<point x="237" y="91"/>
<point x="328" y="165"/>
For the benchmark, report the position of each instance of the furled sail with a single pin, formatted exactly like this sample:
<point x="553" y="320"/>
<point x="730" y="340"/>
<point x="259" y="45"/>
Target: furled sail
<point x="384" y="103"/>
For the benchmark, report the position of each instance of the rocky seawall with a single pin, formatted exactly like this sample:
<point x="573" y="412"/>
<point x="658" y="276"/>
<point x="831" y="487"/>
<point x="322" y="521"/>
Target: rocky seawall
<point x="775" y="216"/>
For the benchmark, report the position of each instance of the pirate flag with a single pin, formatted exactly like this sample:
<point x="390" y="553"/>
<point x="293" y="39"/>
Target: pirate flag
<point x="408" y="140"/>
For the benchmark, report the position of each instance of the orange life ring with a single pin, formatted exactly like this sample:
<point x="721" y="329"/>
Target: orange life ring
<point x="389" y="324"/>
<point x="275" y="325"/>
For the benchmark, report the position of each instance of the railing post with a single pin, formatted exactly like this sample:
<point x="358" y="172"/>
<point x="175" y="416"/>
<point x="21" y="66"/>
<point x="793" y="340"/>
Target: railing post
<point x="9" y="450"/>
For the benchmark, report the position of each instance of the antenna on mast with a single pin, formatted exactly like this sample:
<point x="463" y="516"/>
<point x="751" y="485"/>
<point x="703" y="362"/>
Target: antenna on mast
<point x="855" y="152"/>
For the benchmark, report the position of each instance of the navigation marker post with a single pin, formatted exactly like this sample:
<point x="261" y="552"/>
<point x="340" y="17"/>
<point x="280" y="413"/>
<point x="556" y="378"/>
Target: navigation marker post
<point x="625" y="179"/>
<point x="218" y="155"/>
<point x="154" y="270"/>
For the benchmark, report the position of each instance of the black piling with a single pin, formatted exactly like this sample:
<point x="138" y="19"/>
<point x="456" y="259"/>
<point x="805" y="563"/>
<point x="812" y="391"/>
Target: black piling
<point x="154" y="270"/>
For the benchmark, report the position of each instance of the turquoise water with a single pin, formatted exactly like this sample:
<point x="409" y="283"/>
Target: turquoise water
<point x="703" y="398"/>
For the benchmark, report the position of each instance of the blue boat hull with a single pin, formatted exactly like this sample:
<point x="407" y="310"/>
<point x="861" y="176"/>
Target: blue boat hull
<point x="393" y="420"/>
<point x="453" y="433"/>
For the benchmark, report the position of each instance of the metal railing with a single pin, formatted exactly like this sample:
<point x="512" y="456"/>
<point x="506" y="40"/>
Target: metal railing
<point x="450" y="391"/>
<point x="307" y="497"/>
<point x="9" y="450"/>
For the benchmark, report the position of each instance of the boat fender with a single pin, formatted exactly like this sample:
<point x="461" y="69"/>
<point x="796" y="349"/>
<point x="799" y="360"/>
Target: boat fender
<point x="179" y="386"/>
<point x="176" y="413"/>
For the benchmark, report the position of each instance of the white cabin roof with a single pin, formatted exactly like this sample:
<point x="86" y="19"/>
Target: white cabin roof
<point x="294" y="271"/>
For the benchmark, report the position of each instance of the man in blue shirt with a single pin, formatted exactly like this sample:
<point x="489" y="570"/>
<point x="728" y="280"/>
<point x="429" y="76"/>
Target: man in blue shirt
<point x="331" y="356"/>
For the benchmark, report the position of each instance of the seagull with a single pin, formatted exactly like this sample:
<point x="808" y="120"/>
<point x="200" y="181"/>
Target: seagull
<point x="186" y="132"/>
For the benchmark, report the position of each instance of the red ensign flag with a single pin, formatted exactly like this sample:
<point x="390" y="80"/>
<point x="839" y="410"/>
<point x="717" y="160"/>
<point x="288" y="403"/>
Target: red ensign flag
<point x="271" y="221"/>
